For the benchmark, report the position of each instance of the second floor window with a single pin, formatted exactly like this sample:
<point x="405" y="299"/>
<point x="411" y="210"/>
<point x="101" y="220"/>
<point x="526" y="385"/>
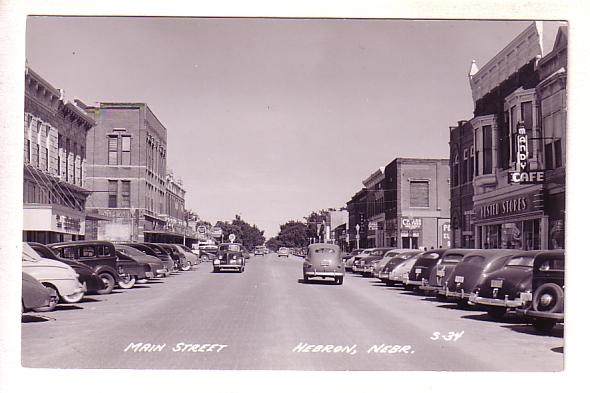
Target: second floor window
<point x="487" y="150"/>
<point x="113" y="150"/>
<point x="126" y="150"/>
<point x="125" y="193"/>
<point x="112" y="193"/>
<point x="419" y="193"/>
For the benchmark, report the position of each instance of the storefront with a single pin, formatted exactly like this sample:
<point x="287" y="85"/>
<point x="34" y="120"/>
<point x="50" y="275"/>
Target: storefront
<point x="410" y="232"/>
<point x="52" y="223"/>
<point x="512" y="222"/>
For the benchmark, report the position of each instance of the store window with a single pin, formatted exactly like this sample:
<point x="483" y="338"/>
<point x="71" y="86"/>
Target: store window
<point x="531" y="232"/>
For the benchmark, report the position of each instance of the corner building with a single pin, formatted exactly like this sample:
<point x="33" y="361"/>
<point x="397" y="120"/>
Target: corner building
<point x="127" y="172"/>
<point x="521" y="89"/>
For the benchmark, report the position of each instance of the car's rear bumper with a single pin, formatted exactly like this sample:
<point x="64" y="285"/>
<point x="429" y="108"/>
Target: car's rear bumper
<point x="474" y="298"/>
<point x="413" y="282"/>
<point x="455" y="294"/>
<point x="314" y="273"/>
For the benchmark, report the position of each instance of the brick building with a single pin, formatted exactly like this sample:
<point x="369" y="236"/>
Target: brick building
<point x="518" y="139"/>
<point x="127" y="172"/>
<point x="404" y="204"/>
<point x="54" y="196"/>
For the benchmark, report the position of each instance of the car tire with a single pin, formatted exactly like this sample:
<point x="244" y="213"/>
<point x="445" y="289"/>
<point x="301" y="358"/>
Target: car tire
<point x="109" y="282"/>
<point x="70" y="299"/>
<point x="52" y="303"/>
<point x="339" y="280"/>
<point x="186" y="267"/>
<point x="552" y="293"/>
<point x="127" y="282"/>
<point x="543" y="325"/>
<point x="497" y="312"/>
<point x="305" y="279"/>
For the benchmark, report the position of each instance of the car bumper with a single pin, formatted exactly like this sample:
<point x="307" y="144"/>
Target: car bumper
<point x="455" y="294"/>
<point x="413" y="282"/>
<point x="540" y="314"/>
<point x="474" y="298"/>
<point x="314" y="273"/>
<point x="428" y="287"/>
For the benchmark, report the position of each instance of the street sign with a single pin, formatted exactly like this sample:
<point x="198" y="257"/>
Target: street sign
<point x="232" y="237"/>
<point x="201" y="229"/>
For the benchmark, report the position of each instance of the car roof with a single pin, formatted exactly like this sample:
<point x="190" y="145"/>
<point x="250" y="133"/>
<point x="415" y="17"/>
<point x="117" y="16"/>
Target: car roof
<point x="80" y="242"/>
<point x="323" y="245"/>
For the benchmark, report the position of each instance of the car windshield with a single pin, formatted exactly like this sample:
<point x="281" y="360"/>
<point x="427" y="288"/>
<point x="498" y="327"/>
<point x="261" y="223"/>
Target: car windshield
<point x="521" y="261"/>
<point x="282" y="249"/>
<point x="230" y="247"/>
<point x="324" y="250"/>
<point x="391" y="253"/>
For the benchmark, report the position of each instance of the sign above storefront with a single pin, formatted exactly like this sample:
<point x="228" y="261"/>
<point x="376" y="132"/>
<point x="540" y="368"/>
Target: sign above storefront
<point x="411" y="223"/>
<point x="510" y="206"/>
<point x="522" y="149"/>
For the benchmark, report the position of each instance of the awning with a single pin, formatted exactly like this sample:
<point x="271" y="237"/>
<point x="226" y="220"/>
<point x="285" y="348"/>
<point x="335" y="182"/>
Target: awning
<point x="96" y="217"/>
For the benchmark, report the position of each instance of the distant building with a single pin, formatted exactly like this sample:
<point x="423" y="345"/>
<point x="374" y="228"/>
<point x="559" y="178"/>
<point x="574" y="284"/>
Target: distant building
<point x="54" y="195"/>
<point x="404" y="204"/>
<point x="517" y="174"/>
<point x="127" y="152"/>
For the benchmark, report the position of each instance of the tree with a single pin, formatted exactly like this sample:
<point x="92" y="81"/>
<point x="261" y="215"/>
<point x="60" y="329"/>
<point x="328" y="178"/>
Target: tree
<point x="247" y="235"/>
<point x="291" y="234"/>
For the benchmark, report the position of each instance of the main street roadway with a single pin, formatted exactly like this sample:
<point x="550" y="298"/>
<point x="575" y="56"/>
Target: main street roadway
<point x="267" y="319"/>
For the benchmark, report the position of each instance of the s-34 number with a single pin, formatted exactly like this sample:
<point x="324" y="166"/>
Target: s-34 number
<point x="450" y="336"/>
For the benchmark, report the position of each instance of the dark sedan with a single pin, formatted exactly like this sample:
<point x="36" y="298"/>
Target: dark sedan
<point x="395" y="262"/>
<point x="420" y="272"/>
<point x="544" y="306"/>
<point x="368" y="262"/>
<point x="471" y="271"/>
<point x="156" y="267"/>
<point x="230" y="256"/>
<point x="445" y="266"/>
<point x="501" y="290"/>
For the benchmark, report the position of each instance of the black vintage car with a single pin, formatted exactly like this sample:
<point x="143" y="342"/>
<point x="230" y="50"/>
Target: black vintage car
<point x="443" y="269"/>
<point x="180" y="262"/>
<point x="230" y="256"/>
<point x="420" y="272"/>
<point x="157" y="268"/>
<point x="471" y="271"/>
<point x="100" y="255"/>
<point x="154" y="251"/>
<point x="500" y="290"/>
<point x="544" y="305"/>
<point x="86" y="275"/>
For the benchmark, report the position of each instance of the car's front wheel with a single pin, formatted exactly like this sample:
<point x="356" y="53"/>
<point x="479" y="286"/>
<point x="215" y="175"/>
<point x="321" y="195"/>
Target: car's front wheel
<point x="109" y="282"/>
<point x="127" y="281"/>
<point x="72" y="298"/>
<point x="339" y="280"/>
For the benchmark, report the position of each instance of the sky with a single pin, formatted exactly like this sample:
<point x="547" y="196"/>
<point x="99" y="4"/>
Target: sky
<point x="269" y="118"/>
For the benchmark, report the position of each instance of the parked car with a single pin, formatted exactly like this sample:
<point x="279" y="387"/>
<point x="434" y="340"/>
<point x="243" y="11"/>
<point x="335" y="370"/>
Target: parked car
<point x="283" y="252"/>
<point x="381" y="263"/>
<point x="192" y="259"/>
<point x="34" y="294"/>
<point x="393" y="263"/>
<point x="400" y="272"/>
<point x="134" y="270"/>
<point x="368" y="262"/>
<point x="358" y="260"/>
<point x="156" y="252"/>
<point x="323" y="260"/>
<point x="98" y="254"/>
<point x="156" y="267"/>
<point x="208" y="252"/>
<point x="440" y="273"/>
<point x="230" y="256"/>
<point x="90" y="281"/>
<point x="421" y="269"/>
<point x="60" y="279"/>
<point x="471" y="271"/>
<point x="179" y="259"/>
<point x="544" y="305"/>
<point x="500" y="291"/>
<point x="349" y="261"/>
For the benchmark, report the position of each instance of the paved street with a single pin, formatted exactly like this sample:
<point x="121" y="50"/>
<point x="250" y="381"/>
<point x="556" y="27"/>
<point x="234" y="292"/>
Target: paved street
<point x="267" y="318"/>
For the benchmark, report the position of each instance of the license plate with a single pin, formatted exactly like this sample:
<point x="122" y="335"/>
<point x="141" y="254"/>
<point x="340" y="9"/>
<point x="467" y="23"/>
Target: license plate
<point x="325" y="264"/>
<point x="440" y="273"/>
<point x="526" y="297"/>
<point x="496" y="284"/>
<point x="418" y="270"/>
<point x="459" y="279"/>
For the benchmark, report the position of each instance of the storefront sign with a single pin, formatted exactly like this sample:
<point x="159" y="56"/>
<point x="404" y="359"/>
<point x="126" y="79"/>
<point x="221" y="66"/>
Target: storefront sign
<point x="536" y="177"/>
<point x="216" y="232"/>
<point x="372" y="226"/>
<point x="201" y="229"/>
<point x="411" y="223"/>
<point x="509" y="206"/>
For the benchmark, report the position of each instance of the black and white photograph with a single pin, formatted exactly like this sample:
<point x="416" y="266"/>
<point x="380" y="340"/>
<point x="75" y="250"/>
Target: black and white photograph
<point x="302" y="194"/>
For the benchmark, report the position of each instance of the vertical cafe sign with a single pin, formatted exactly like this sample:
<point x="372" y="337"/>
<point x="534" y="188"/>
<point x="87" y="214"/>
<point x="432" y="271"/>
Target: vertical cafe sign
<point x="522" y="175"/>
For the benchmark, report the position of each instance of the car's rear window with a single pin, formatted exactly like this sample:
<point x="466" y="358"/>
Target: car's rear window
<point x="377" y="252"/>
<point x="452" y="258"/>
<point x="324" y="250"/>
<point x="552" y="264"/>
<point x="474" y="260"/>
<point x="525" y="261"/>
